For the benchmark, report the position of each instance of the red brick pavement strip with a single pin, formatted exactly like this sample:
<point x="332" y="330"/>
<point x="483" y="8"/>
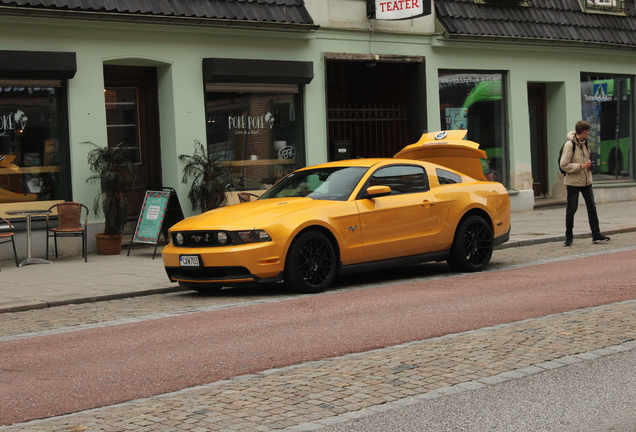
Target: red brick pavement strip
<point x="311" y="395"/>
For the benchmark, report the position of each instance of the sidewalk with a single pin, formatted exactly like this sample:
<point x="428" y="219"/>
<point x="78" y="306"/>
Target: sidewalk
<point x="70" y="280"/>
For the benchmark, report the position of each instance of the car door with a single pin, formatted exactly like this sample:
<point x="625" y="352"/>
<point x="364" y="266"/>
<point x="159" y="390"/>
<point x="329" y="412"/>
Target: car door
<point x="403" y="223"/>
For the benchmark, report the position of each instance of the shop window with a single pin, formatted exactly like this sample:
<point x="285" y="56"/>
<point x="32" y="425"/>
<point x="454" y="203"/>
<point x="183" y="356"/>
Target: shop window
<point x="474" y="101"/>
<point x="31" y="141"/>
<point x="606" y="103"/>
<point x="257" y="129"/>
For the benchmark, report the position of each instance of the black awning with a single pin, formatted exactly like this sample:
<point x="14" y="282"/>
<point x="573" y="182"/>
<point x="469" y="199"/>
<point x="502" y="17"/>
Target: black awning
<point x="37" y="65"/>
<point x="221" y="70"/>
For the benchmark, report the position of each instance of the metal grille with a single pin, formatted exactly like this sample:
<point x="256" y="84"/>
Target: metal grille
<point x="373" y="131"/>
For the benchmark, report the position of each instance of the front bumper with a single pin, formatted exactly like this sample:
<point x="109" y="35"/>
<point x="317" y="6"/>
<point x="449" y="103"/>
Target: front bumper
<point x="218" y="276"/>
<point x="257" y="263"/>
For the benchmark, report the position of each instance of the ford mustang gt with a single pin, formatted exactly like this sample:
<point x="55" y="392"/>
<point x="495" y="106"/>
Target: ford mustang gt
<point x="431" y="202"/>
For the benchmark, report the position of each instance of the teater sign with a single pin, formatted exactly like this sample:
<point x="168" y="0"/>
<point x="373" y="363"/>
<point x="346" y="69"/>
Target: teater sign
<point x="401" y="9"/>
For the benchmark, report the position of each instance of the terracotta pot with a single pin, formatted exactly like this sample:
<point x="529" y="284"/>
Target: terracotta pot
<point x="108" y="245"/>
<point x="279" y="145"/>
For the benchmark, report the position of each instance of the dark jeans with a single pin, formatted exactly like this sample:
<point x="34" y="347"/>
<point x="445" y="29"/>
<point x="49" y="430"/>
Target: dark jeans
<point x="573" y="203"/>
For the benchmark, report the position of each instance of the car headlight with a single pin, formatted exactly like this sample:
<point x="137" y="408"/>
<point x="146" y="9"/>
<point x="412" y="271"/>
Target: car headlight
<point x="254" y="236"/>
<point x="178" y="238"/>
<point x="221" y="237"/>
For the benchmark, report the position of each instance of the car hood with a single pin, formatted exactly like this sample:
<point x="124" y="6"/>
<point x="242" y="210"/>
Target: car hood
<point x="249" y="215"/>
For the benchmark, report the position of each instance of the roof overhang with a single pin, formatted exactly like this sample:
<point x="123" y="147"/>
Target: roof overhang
<point x="151" y="19"/>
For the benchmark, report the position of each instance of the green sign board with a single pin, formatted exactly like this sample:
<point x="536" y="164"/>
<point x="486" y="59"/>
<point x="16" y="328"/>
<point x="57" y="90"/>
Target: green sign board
<point x="151" y="217"/>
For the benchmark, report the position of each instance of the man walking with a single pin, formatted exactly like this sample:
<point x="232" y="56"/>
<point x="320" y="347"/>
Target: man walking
<point x="575" y="161"/>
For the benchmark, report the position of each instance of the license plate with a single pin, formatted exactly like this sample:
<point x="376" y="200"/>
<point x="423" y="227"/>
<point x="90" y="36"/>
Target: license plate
<point x="190" y="260"/>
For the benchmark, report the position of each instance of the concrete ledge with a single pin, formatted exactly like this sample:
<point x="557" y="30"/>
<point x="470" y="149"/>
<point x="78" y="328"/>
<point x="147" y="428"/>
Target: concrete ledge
<point x="115" y="296"/>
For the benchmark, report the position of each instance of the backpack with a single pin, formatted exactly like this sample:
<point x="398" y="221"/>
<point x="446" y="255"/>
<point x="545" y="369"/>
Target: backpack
<point x="561" y="153"/>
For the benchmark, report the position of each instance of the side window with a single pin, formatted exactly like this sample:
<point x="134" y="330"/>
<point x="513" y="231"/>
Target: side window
<point x="401" y="179"/>
<point x="447" y="177"/>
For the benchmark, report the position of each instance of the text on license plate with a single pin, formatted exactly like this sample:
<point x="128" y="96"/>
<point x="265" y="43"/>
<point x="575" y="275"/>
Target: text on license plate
<point x="189" y="261"/>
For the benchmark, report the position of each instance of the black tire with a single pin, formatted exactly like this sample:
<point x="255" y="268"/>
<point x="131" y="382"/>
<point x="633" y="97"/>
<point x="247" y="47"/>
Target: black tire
<point x="473" y="245"/>
<point x="311" y="263"/>
<point x="202" y="288"/>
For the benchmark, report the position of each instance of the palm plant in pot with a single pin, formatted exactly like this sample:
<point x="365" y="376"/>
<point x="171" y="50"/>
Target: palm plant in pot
<point x="211" y="179"/>
<point x="113" y="171"/>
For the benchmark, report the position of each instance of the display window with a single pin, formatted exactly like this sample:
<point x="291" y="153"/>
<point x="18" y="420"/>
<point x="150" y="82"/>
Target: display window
<point x="606" y="102"/>
<point x="474" y="101"/>
<point x="31" y="141"/>
<point x="257" y="130"/>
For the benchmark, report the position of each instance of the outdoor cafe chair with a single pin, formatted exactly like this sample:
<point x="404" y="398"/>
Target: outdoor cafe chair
<point x="7" y="236"/>
<point x="246" y="197"/>
<point x="69" y="217"/>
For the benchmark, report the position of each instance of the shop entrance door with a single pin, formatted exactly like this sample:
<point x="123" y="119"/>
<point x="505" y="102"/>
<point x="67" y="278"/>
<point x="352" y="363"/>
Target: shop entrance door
<point x="538" y="138"/>
<point x="375" y="109"/>
<point x="132" y="118"/>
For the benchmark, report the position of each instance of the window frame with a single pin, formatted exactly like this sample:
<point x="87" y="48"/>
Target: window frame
<point x="502" y="164"/>
<point x="394" y="191"/>
<point x="615" y="7"/>
<point x="62" y="138"/>
<point x="601" y="175"/>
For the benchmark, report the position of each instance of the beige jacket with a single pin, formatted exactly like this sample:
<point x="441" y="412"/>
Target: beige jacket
<point x="571" y="163"/>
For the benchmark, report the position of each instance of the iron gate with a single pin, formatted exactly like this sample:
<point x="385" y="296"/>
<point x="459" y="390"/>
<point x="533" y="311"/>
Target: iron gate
<point x="372" y="131"/>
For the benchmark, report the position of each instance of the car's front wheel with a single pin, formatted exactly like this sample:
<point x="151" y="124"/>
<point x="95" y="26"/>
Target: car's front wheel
<point x="311" y="263"/>
<point x="473" y="245"/>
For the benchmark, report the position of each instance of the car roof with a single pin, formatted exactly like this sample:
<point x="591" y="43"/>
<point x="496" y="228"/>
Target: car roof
<point x="366" y="163"/>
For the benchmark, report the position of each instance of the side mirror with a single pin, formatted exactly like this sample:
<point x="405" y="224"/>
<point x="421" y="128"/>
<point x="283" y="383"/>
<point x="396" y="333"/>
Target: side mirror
<point x="377" y="191"/>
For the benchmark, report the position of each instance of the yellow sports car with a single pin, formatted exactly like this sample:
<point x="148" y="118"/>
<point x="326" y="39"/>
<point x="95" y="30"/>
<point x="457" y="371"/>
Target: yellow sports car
<point x="431" y="202"/>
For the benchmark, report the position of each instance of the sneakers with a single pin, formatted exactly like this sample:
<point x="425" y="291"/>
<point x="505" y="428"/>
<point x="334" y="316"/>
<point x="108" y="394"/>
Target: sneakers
<point x="600" y="239"/>
<point x="568" y="242"/>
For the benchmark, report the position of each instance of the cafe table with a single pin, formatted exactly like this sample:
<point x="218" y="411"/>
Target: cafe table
<point x="28" y="214"/>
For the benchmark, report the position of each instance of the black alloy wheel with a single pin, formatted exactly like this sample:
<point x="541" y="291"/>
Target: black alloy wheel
<point x="311" y="263"/>
<point x="473" y="245"/>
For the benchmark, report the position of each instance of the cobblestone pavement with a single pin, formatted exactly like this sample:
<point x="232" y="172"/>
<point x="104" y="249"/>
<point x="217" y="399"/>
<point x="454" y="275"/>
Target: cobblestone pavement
<point x="312" y="395"/>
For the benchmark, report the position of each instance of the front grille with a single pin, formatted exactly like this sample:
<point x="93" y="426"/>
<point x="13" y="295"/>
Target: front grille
<point x="195" y="239"/>
<point x="208" y="273"/>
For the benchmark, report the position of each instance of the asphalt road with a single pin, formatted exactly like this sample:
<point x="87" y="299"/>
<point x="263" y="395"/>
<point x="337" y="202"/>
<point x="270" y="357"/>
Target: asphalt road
<point x="76" y="369"/>
<point x="597" y="396"/>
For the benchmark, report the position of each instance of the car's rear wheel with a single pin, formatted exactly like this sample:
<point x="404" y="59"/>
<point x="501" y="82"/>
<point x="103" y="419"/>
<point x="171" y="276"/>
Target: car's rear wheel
<point x="311" y="263"/>
<point x="473" y="245"/>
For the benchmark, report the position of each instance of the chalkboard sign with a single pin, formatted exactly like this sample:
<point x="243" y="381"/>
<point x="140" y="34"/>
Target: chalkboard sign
<point x="159" y="211"/>
<point x="174" y="212"/>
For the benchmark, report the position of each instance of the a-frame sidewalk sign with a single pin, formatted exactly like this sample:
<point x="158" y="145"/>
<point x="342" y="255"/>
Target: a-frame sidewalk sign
<point x="160" y="210"/>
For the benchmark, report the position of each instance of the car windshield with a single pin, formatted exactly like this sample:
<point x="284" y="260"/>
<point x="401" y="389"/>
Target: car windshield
<point x="332" y="183"/>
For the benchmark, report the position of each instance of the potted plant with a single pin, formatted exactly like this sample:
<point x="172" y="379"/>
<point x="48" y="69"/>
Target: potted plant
<point x="113" y="171"/>
<point x="211" y="178"/>
<point x="279" y="134"/>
